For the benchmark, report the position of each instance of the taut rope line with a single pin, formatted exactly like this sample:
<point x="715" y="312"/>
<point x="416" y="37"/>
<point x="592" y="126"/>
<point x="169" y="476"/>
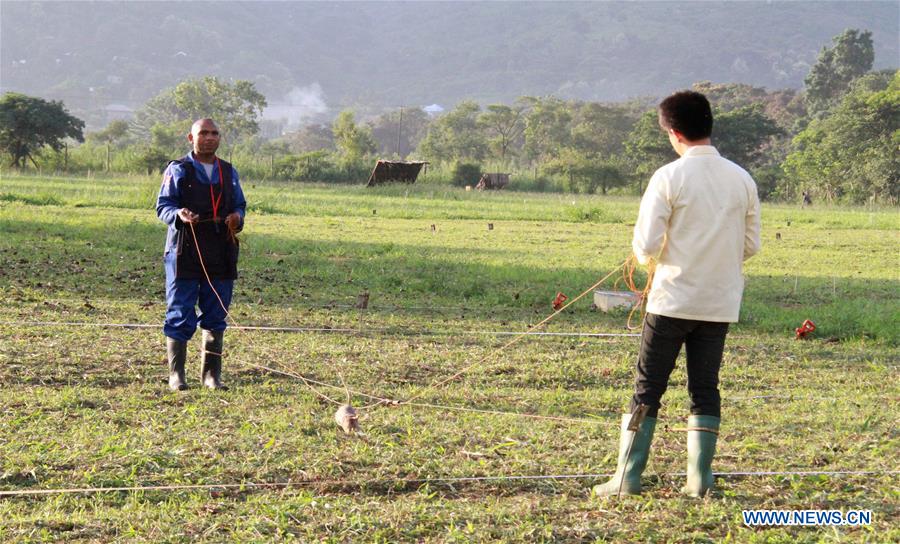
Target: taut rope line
<point x="228" y="314"/>
<point x="384" y="400"/>
<point x="335" y="330"/>
<point x="413" y="481"/>
<point x="380" y="401"/>
<point x="515" y="339"/>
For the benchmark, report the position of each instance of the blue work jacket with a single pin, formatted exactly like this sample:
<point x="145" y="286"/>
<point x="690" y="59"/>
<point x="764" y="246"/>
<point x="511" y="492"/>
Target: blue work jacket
<point x="167" y="204"/>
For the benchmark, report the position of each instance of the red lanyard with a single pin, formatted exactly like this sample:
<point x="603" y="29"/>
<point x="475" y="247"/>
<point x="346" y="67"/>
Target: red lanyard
<point x="215" y="201"/>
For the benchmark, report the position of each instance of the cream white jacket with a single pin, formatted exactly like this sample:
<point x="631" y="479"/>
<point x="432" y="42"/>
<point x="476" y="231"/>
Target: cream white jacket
<point x="700" y="218"/>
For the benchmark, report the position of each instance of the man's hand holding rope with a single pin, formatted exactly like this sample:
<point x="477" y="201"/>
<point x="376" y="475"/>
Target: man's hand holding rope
<point x="187" y="216"/>
<point x="233" y="222"/>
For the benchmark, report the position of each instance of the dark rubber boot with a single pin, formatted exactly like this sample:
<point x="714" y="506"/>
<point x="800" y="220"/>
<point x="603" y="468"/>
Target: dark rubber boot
<point x="177" y="354"/>
<point x="212" y="359"/>
<point x="702" y="434"/>
<point x="631" y="464"/>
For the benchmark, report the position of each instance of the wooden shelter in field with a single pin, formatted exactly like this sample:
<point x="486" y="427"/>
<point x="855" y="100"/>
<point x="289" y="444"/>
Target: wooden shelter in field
<point x="395" y="172"/>
<point x="492" y="181"/>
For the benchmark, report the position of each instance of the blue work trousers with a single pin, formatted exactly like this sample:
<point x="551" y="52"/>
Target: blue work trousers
<point x="184" y="295"/>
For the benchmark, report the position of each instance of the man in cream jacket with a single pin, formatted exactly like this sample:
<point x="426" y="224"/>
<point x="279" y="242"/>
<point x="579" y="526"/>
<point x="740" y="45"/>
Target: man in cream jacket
<point x="699" y="219"/>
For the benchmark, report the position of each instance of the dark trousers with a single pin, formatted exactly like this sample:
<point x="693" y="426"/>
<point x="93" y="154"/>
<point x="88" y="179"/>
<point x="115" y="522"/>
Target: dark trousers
<point x="661" y="340"/>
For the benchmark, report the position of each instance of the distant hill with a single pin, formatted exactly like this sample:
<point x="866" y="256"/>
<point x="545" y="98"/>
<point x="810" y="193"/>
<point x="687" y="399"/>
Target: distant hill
<point x="381" y="55"/>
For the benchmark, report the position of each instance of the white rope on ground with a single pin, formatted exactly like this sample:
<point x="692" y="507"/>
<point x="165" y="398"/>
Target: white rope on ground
<point x="440" y="383"/>
<point x="388" y="401"/>
<point x="809" y="396"/>
<point x="391" y="402"/>
<point x="412" y="332"/>
<point x="801" y="473"/>
<point x="519" y="414"/>
<point x="414" y="481"/>
<point x="390" y="307"/>
<point x="785" y="396"/>
<point x="379" y="401"/>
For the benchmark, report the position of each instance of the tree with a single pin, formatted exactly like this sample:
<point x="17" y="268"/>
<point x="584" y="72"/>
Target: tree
<point x="583" y="173"/>
<point x="172" y="137"/>
<point x="114" y="132"/>
<point x="29" y="123"/>
<point x="274" y="148"/>
<point x="455" y="135"/>
<point x="829" y="79"/>
<point x="311" y="138"/>
<point x="506" y="124"/>
<point x="784" y="106"/>
<point x="852" y="151"/>
<point x="600" y="129"/>
<point x="743" y="134"/>
<point x="353" y="141"/>
<point x="546" y="127"/>
<point x="647" y="148"/>
<point x="590" y="158"/>
<point x="153" y="159"/>
<point x="729" y="96"/>
<point x="235" y="107"/>
<point x="399" y="132"/>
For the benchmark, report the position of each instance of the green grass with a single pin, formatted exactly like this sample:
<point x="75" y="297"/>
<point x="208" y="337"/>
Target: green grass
<point x="88" y="406"/>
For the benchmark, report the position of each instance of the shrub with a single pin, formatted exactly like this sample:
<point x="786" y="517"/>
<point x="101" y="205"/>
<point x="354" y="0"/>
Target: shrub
<point x="466" y="173"/>
<point x="313" y="166"/>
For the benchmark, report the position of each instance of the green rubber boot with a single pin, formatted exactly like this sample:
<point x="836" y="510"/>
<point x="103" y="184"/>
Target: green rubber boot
<point x="631" y="464"/>
<point x="703" y="431"/>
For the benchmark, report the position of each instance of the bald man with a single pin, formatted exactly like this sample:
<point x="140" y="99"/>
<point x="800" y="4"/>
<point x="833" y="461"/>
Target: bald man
<point x="199" y="193"/>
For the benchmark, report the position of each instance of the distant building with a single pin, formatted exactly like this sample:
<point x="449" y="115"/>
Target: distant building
<point x="115" y="112"/>
<point x="269" y="129"/>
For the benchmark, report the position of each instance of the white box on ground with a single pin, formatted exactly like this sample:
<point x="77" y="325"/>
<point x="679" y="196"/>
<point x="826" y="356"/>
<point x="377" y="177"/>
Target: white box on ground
<point x="607" y="300"/>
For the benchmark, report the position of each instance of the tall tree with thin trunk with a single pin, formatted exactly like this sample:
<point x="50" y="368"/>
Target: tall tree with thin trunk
<point x="28" y="123"/>
<point x="505" y="124"/>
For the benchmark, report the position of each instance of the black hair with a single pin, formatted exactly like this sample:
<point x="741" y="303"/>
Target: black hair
<point x="689" y="113"/>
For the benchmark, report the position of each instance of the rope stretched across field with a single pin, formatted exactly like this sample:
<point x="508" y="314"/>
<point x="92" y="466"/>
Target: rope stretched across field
<point x="411" y="401"/>
<point x="306" y="382"/>
<point x="334" y="330"/>
<point x="384" y="400"/>
<point x="380" y="401"/>
<point x="515" y="339"/>
<point x="412" y="481"/>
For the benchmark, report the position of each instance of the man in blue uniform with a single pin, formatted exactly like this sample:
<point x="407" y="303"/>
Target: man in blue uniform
<point x="202" y="203"/>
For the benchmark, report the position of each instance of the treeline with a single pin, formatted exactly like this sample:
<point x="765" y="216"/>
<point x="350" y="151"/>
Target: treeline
<point x="836" y="139"/>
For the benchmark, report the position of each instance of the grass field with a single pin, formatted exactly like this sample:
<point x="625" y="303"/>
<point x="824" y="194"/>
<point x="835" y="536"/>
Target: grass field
<point x="87" y="406"/>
